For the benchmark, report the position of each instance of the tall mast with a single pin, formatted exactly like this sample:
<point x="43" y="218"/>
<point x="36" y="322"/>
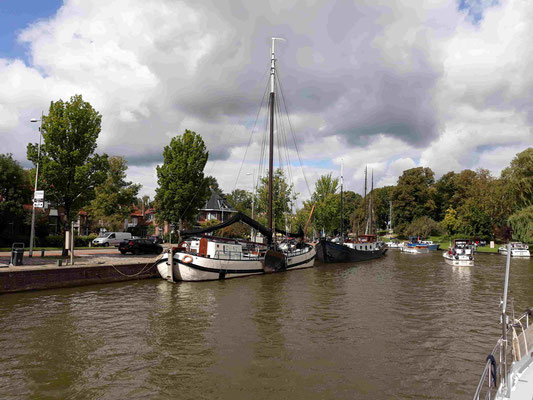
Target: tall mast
<point x="271" y="147"/>
<point x="371" y="210"/>
<point x="342" y="216"/>
<point x="364" y="205"/>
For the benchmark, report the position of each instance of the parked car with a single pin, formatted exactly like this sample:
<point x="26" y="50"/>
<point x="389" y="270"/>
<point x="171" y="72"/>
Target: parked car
<point x="111" y="239"/>
<point x="156" y="239"/>
<point x="138" y="246"/>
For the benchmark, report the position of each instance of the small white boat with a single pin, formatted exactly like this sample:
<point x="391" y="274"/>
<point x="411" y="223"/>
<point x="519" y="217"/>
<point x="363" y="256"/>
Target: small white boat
<point x="414" y="249"/>
<point x="394" y="244"/>
<point x="517" y="250"/>
<point x="461" y="253"/>
<point x="508" y="372"/>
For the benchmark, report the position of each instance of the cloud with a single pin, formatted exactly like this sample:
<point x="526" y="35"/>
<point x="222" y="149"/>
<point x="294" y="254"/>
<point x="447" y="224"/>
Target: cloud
<point x="391" y="85"/>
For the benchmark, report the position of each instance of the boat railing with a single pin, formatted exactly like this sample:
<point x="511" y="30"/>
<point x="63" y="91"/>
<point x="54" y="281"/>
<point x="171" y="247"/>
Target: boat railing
<point x="498" y="362"/>
<point x="234" y="255"/>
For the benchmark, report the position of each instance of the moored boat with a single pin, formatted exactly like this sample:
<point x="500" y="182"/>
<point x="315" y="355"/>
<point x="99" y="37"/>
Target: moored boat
<point x="517" y="250"/>
<point x="414" y="248"/>
<point x="365" y="247"/>
<point x="201" y="258"/>
<point x="394" y="244"/>
<point x="508" y="372"/>
<point x="461" y="253"/>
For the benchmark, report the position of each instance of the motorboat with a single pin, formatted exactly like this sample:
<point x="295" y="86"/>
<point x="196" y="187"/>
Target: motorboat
<point x="508" y="372"/>
<point x="413" y="248"/>
<point x="461" y="253"/>
<point x="518" y="249"/>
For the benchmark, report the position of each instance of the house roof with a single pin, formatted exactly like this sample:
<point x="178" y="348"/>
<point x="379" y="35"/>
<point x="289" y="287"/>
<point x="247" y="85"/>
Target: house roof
<point x="216" y="203"/>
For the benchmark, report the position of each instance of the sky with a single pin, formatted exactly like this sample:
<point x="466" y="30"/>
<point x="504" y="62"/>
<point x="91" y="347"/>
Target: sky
<point x="388" y="84"/>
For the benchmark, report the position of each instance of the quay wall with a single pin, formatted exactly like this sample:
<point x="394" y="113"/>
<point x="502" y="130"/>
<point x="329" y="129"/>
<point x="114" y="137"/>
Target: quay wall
<point x="17" y="280"/>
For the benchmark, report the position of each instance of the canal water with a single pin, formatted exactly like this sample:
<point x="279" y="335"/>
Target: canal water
<point x="402" y="327"/>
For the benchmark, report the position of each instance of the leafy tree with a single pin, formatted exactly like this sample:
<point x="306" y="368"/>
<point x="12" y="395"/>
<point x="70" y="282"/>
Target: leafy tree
<point x="14" y="192"/>
<point x="519" y="178"/>
<point x="327" y="204"/>
<point x="212" y="183"/>
<point x="423" y="227"/>
<point x="182" y="189"/>
<point x="473" y="221"/>
<point x="240" y="200"/>
<point x="325" y="186"/>
<point x="522" y="224"/>
<point x="69" y="167"/>
<point x="450" y="221"/>
<point x="445" y="189"/>
<point x="284" y="198"/>
<point x="413" y="196"/>
<point x="381" y="198"/>
<point x="351" y="202"/>
<point x="115" y="197"/>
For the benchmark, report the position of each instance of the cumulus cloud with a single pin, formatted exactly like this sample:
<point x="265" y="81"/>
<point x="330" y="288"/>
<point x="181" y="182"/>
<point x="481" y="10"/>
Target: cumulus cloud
<point x="390" y="85"/>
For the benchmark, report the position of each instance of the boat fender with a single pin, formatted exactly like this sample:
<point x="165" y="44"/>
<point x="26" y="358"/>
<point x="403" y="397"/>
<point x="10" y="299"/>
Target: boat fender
<point x="470" y="257"/>
<point x="494" y="371"/>
<point x="187" y="259"/>
<point x="456" y="257"/>
<point x="529" y="311"/>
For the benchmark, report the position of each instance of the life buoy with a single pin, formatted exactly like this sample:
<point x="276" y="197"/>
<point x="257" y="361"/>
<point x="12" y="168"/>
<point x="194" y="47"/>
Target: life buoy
<point x="187" y="259"/>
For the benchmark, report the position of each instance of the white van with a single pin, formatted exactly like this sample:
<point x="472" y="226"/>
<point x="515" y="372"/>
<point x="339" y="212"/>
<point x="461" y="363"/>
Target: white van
<point x="111" y="238"/>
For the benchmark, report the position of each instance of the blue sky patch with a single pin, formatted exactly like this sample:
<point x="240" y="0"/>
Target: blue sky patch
<point x="475" y="8"/>
<point x="15" y="15"/>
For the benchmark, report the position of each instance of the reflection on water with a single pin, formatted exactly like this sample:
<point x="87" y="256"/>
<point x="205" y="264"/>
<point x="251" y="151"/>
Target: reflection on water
<point x="405" y="327"/>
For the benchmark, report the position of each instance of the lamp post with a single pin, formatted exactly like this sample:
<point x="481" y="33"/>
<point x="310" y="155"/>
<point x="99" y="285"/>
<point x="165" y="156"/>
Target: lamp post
<point x="32" y="234"/>
<point x="253" y="200"/>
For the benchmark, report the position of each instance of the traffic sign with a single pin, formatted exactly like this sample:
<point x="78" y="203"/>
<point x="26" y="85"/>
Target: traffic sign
<point x="38" y="204"/>
<point x="39" y="195"/>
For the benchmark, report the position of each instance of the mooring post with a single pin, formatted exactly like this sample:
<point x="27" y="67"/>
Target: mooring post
<point x="170" y="263"/>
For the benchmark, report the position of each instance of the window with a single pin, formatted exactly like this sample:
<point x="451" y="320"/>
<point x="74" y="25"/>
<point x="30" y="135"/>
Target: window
<point x="112" y="236"/>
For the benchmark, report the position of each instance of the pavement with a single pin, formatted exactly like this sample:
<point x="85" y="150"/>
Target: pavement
<point x="81" y="258"/>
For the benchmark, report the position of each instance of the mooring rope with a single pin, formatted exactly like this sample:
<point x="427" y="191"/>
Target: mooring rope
<point x="141" y="271"/>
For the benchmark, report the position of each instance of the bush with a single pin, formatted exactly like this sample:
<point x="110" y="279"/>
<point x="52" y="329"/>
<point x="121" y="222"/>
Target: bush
<point x="423" y="226"/>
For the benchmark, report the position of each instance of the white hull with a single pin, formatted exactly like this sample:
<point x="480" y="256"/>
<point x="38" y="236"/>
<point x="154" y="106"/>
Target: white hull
<point x="189" y="267"/>
<point x="464" y="261"/>
<point x="415" y="250"/>
<point x="515" y="252"/>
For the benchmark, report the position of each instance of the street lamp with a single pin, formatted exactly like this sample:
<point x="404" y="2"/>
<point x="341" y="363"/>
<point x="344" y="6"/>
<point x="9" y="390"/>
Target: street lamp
<point x="253" y="200"/>
<point x="32" y="234"/>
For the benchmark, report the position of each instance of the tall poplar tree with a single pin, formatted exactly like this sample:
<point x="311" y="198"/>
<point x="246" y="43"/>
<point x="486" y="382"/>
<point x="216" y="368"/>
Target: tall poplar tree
<point x="69" y="168"/>
<point x="182" y="185"/>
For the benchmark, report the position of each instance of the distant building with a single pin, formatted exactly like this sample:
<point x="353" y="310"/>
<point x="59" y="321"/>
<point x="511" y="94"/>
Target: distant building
<point x="215" y="207"/>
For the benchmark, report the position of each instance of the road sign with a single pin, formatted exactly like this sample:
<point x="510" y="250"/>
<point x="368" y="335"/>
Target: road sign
<point x="38" y="204"/>
<point x="39" y="195"/>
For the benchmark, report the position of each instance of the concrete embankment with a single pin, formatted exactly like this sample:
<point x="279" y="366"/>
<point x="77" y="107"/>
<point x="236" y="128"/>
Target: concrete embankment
<point x="101" y="270"/>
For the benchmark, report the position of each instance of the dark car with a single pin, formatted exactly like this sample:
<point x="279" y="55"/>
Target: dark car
<point x="138" y="246"/>
<point x="156" y="239"/>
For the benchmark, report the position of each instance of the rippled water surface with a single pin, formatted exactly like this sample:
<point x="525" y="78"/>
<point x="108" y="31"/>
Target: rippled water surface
<point x="403" y="327"/>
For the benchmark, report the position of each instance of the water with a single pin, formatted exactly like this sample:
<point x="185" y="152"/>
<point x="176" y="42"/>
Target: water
<point x="403" y="327"/>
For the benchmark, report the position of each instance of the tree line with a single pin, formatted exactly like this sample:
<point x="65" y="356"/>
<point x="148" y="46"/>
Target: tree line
<point x="75" y="177"/>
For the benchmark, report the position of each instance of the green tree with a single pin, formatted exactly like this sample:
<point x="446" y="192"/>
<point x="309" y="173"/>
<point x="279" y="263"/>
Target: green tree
<point x="381" y="198"/>
<point x="240" y="200"/>
<point x="284" y="198"/>
<point x="212" y="183"/>
<point x="450" y="221"/>
<point x="14" y="193"/>
<point x="445" y="189"/>
<point x="327" y="204"/>
<point x="522" y="225"/>
<point x="413" y="196"/>
<point x="519" y="178"/>
<point x="69" y="167"/>
<point x="115" y="197"/>
<point x="182" y="186"/>
<point x="423" y="227"/>
<point x="473" y="221"/>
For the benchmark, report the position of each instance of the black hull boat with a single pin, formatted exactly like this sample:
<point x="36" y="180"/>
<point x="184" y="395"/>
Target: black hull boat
<point x="330" y="252"/>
